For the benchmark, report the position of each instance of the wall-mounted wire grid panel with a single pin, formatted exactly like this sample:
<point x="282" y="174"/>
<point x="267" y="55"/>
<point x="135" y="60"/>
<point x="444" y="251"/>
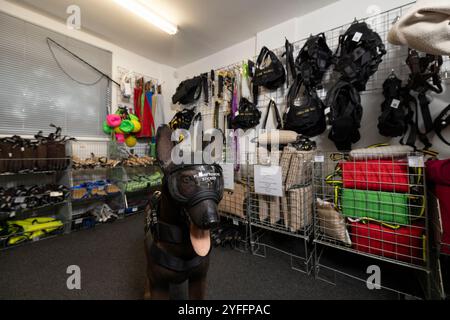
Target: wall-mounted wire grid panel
<point x="134" y="77"/>
<point x="393" y="61"/>
<point x="373" y="206"/>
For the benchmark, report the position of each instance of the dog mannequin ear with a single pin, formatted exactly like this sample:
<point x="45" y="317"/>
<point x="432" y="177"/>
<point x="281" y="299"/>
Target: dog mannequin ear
<point x="164" y="146"/>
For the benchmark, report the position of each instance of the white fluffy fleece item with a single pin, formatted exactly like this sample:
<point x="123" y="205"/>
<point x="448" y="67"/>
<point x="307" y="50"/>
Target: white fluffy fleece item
<point x="425" y="27"/>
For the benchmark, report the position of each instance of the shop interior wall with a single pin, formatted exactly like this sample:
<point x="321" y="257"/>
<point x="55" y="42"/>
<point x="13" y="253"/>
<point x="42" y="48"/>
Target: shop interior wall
<point x="120" y="56"/>
<point x="326" y="18"/>
<point x="329" y="17"/>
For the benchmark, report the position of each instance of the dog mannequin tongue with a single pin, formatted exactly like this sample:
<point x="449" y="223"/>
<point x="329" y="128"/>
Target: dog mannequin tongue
<point x="201" y="240"/>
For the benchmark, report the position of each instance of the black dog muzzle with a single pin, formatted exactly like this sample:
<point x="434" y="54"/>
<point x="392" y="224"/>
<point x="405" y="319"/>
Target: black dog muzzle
<point x="192" y="184"/>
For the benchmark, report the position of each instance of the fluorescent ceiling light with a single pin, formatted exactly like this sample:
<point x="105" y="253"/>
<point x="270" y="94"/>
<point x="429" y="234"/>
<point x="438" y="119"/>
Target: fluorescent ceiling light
<point x="141" y="10"/>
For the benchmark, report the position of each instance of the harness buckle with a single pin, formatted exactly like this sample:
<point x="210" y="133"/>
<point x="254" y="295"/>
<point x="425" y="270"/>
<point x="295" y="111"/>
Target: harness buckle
<point x="152" y="218"/>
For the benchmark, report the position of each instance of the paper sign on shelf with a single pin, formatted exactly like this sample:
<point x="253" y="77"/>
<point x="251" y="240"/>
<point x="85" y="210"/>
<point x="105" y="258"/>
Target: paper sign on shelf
<point x="319" y="158"/>
<point x="228" y="175"/>
<point x="269" y="181"/>
<point x="416" y="162"/>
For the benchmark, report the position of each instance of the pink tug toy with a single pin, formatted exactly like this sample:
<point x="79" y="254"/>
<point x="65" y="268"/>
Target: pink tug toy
<point x="113" y="120"/>
<point x="120" y="138"/>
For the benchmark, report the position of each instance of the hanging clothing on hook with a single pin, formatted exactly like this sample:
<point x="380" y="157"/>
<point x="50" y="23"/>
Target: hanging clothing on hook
<point x="143" y="110"/>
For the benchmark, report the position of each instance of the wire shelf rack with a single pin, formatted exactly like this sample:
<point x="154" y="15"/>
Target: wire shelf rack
<point x="373" y="206"/>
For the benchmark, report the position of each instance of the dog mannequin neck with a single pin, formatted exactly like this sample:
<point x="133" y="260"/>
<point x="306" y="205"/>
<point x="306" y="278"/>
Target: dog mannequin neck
<point x="170" y="211"/>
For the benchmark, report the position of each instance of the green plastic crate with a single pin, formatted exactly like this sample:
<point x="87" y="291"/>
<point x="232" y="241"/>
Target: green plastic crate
<point x="382" y="206"/>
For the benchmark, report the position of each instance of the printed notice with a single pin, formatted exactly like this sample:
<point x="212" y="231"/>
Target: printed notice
<point x="228" y="176"/>
<point x="416" y="162"/>
<point x="269" y="181"/>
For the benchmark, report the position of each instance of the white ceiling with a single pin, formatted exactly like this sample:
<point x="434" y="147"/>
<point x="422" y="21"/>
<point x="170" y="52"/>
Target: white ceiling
<point x="205" y="26"/>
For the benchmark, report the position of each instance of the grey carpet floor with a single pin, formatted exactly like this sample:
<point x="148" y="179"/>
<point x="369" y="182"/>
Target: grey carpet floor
<point x="111" y="258"/>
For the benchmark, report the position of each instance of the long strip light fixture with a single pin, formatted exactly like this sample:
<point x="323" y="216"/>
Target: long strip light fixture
<point x="141" y="10"/>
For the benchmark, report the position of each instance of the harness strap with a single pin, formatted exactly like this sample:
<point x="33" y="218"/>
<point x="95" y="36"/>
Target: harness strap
<point x="441" y="122"/>
<point x="171" y="234"/>
<point x="290" y="63"/>
<point x="205" y="87"/>
<point x="221" y="86"/>
<point x="216" y="115"/>
<point x="173" y="263"/>
<point x="273" y="105"/>
<point x="163" y="232"/>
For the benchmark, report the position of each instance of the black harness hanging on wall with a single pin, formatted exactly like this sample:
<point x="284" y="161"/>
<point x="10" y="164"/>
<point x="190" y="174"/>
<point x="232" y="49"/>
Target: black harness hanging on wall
<point x="313" y="61"/>
<point x="182" y="119"/>
<point x="291" y="71"/>
<point x="359" y="54"/>
<point x="190" y="90"/>
<point x="424" y="77"/>
<point x="248" y="117"/>
<point x="442" y="122"/>
<point x="269" y="72"/>
<point x="346" y="115"/>
<point x="396" y="109"/>
<point x="272" y="105"/>
<point x="307" y="118"/>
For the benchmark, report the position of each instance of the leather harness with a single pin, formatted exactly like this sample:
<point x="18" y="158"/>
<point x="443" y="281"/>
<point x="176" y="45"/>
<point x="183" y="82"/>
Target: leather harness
<point x="163" y="232"/>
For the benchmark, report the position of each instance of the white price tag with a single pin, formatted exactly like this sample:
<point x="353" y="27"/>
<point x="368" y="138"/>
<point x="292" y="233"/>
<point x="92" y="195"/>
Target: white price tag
<point x="320" y="159"/>
<point x="416" y="162"/>
<point x="236" y="114"/>
<point x="228" y="175"/>
<point x="422" y="54"/>
<point x="357" y="37"/>
<point x="235" y="222"/>
<point x="56" y="194"/>
<point x="395" y="104"/>
<point x="22" y="149"/>
<point x="135" y="210"/>
<point x="269" y="181"/>
<point x="12" y="214"/>
<point x="79" y="221"/>
<point x="10" y="155"/>
<point x="19" y="200"/>
<point x="327" y="111"/>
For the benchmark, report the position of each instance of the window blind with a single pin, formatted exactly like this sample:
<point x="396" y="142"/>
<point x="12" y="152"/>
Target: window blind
<point x="42" y="85"/>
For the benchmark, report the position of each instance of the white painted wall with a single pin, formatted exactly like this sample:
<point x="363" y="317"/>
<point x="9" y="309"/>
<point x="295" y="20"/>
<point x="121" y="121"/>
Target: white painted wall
<point x="120" y="56"/>
<point x="323" y="19"/>
<point x="329" y="17"/>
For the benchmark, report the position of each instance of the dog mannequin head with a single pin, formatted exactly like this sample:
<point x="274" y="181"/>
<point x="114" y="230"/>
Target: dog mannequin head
<point x="197" y="189"/>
